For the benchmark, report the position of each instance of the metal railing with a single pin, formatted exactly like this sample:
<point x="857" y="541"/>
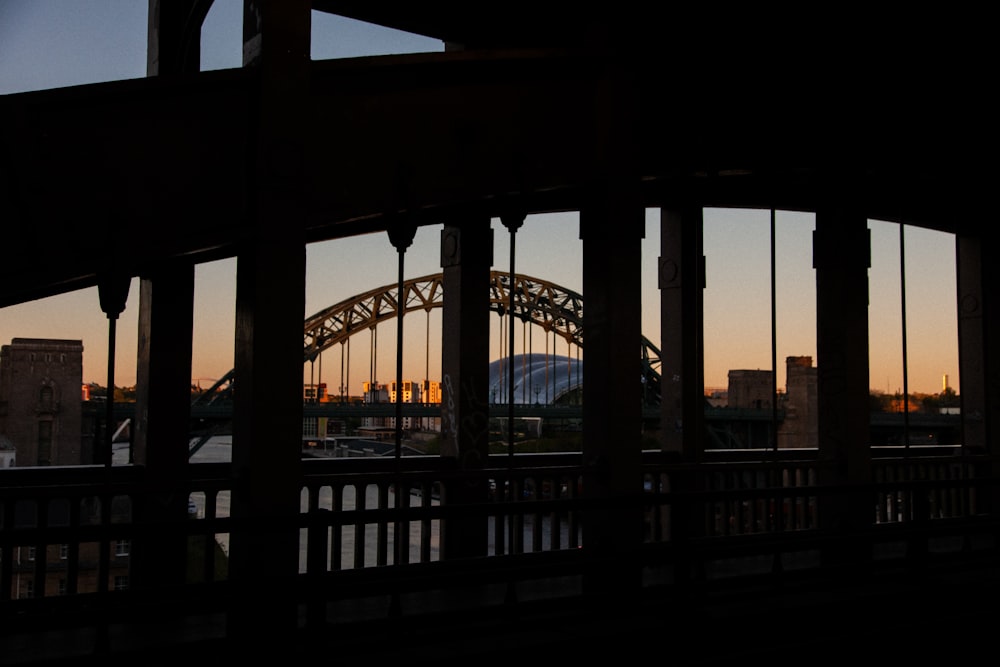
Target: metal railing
<point x="372" y="524"/>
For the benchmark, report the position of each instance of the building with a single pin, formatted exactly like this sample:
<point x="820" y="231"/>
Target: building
<point x="315" y="393"/>
<point x="800" y="425"/>
<point x="41" y="406"/>
<point x="752" y="390"/>
<point x="406" y="392"/>
<point x="40" y="401"/>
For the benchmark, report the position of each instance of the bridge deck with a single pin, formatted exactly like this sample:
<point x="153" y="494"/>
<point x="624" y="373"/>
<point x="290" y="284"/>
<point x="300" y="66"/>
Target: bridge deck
<point x="925" y="617"/>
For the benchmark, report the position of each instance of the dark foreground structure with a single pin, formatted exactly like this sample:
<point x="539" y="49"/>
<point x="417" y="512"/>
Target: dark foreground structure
<point x="694" y="555"/>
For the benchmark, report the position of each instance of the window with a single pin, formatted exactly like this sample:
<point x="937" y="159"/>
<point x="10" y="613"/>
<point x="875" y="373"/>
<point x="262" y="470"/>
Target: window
<point x="63" y="551"/>
<point x="45" y="443"/>
<point x="62" y="587"/>
<point x="31" y="553"/>
<point x="27" y="589"/>
<point x="121" y="582"/>
<point x="122" y="547"/>
<point x="45" y="398"/>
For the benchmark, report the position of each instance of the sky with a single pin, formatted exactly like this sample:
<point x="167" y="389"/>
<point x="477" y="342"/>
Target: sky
<point x="55" y="43"/>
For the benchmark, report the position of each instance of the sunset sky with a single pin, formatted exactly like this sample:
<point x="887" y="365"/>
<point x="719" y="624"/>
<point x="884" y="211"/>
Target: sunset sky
<point x="55" y="43"/>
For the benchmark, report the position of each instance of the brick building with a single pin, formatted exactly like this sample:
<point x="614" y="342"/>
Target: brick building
<point x="40" y="400"/>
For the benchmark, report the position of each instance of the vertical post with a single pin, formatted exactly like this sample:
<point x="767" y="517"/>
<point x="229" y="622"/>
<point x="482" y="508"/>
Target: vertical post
<point x="113" y="293"/>
<point x="841" y="257"/>
<point x="162" y="421"/>
<point x="612" y="229"/>
<point x="163" y="366"/>
<point x="902" y="308"/>
<point x="774" y="344"/>
<point x="973" y="334"/>
<point x="270" y="305"/>
<point x="401" y="233"/>
<point x="512" y="221"/>
<point x="979" y="370"/>
<point x="681" y="277"/>
<point x="466" y="256"/>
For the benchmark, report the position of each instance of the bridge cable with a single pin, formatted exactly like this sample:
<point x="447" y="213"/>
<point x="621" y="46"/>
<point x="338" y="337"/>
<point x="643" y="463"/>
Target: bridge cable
<point x="427" y="363"/>
<point x="524" y="357"/>
<point x="372" y="360"/>
<point x="547" y="400"/>
<point x="531" y="364"/>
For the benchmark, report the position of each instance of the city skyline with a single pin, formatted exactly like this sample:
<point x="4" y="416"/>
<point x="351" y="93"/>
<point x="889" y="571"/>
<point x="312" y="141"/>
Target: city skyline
<point x="41" y="48"/>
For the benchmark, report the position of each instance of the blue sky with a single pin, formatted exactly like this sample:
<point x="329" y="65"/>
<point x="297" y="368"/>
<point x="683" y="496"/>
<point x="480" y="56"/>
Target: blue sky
<point x="55" y="43"/>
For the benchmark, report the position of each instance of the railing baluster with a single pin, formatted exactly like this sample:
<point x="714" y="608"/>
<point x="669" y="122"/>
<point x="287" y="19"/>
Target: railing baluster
<point x="382" y="527"/>
<point x="336" y="527"/>
<point x="426" y="526"/>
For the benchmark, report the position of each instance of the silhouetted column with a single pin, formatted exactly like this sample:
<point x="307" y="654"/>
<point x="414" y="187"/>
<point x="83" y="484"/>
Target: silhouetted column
<point x="162" y="421"/>
<point x="841" y="256"/>
<point x="466" y="258"/>
<point x="112" y="289"/>
<point x="681" y="281"/>
<point x="979" y="369"/>
<point x="681" y="277"/>
<point x="174" y="36"/>
<point x="612" y="228"/>
<point x="270" y="306"/>
<point x="972" y="334"/>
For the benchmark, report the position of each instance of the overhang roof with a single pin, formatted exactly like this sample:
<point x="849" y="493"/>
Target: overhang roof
<point x="847" y="109"/>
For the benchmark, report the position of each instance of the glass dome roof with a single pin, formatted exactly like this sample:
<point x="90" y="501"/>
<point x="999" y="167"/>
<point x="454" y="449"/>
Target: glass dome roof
<point x="538" y="378"/>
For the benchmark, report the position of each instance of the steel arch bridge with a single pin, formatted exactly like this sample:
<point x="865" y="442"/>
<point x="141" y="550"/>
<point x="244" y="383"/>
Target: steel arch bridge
<point x="555" y="309"/>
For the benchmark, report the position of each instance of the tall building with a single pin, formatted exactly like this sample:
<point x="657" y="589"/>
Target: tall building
<point x="409" y="390"/>
<point x="314" y="393"/>
<point x="40" y="400"/>
<point x="751" y="389"/>
<point x="800" y="427"/>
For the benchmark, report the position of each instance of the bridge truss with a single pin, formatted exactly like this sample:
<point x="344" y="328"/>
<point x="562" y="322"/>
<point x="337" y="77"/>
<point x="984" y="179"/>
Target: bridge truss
<point x="555" y="309"/>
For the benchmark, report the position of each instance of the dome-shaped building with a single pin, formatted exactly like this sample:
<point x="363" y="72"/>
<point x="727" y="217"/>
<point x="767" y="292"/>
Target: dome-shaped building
<point x="538" y="378"/>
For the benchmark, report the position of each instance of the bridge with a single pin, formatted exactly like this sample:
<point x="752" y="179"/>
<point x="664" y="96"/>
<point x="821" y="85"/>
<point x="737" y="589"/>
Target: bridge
<point x="555" y="309"/>
<point x="698" y="555"/>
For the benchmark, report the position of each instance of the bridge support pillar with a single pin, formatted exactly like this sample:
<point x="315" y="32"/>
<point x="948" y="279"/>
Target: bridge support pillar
<point x="466" y="258"/>
<point x="270" y="302"/>
<point x="841" y="252"/>
<point x="611" y="227"/>
<point x="162" y="421"/>
<point x="682" y="405"/>
<point x="979" y="371"/>
<point x="681" y="282"/>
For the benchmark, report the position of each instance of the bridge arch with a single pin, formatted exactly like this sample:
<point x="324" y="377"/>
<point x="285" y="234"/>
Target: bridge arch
<point x="554" y="308"/>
